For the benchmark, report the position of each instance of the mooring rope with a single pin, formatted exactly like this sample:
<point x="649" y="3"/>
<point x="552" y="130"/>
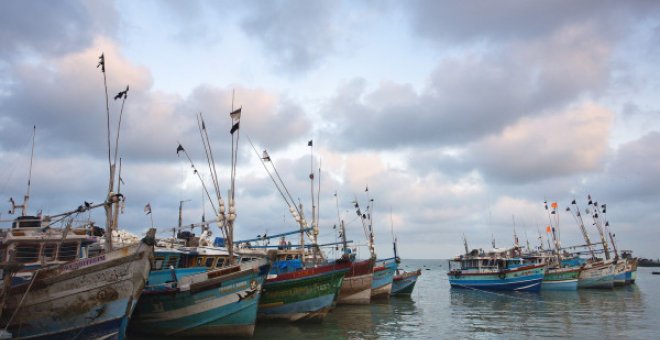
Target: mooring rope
<point x="511" y="296"/>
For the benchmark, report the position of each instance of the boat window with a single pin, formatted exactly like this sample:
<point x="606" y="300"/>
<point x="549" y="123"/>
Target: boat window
<point x="68" y="251"/>
<point x="172" y="261"/>
<point x="49" y="251"/>
<point x="26" y="253"/>
<point x="199" y="261"/>
<point x="158" y="263"/>
<point x="221" y="262"/>
<point x="209" y="262"/>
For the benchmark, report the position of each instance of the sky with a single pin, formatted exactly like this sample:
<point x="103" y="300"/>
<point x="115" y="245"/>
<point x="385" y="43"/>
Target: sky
<point x="461" y="118"/>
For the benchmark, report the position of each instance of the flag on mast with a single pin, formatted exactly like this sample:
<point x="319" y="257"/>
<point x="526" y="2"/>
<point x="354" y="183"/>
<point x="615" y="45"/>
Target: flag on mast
<point x="147" y="209"/>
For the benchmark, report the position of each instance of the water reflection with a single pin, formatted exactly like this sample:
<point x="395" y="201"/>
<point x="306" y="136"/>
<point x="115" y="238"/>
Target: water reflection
<point x="582" y="313"/>
<point x="377" y="320"/>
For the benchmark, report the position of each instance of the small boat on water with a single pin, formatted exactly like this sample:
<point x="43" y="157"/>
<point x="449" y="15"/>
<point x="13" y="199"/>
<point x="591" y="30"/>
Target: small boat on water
<point x="403" y="282"/>
<point x="495" y="270"/>
<point x="655" y="273"/>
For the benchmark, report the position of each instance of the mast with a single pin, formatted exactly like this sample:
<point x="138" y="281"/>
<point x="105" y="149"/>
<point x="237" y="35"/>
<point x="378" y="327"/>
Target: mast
<point x="111" y="178"/>
<point x="580" y="222"/>
<point x="396" y="256"/>
<point x="26" y="198"/>
<point x="599" y="226"/>
<point x="315" y="226"/>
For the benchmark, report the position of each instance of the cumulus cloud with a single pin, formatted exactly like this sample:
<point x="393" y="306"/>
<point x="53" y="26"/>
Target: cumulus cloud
<point x="551" y="145"/>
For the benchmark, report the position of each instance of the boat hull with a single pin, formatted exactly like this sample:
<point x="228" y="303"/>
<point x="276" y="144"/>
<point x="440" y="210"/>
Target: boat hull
<point x="561" y="278"/>
<point x="620" y="273"/>
<point x="599" y="276"/>
<point x="526" y="278"/>
<point x="356" y="287"/>
<point x="307" y="294"/>
<point x="381" y="287"/>
<point x="209" y="305"/>
<point x="87" y="298"/>
<point x="404" y="283"/>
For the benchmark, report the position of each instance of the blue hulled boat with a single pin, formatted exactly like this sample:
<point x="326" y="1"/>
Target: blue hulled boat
<point x="381" y="287"/>
<point x="495" y="272"/>
<point x="191" y="292"/>
<point x="403" y="282"/>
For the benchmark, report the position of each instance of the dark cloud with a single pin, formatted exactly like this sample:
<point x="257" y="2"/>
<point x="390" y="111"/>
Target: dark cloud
<point x="296" y="34"/>
<point x="633" y="172"/>
<point x="51" y="28"/>
<point x="460" y="23"/>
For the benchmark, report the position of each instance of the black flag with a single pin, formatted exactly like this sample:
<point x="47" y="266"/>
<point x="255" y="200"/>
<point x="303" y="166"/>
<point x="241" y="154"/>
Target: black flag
<point x="179" y="149"/>
<point x="122" y="94"/>
<point x="101" y="63"/>
<point x="310" y="143"/>
<point x="573" y="202"/>
<point x="234" y="128"/>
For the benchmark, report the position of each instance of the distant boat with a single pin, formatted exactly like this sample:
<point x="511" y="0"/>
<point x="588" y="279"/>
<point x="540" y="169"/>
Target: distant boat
<point x="495" y="271"/>
<point x="655" y="273"/>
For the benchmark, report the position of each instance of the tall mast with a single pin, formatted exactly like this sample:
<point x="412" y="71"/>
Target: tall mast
<point x="599" y="226"/>
<point x="578" y="218"/>
<point x="315" y="227"/>
<point x="111" y="178"/>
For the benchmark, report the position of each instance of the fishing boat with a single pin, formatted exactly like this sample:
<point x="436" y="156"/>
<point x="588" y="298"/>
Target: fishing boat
<point x="403" y="282"/>
<point x="381" y="287"/>
<point x="356" y="287"/>
<point x="192" y="293"/>
<point x="596" y="272"/>
<point x="62" y="295"/>
<point x="296" y="293"/>
<point x="201" y="289"/>
<point x="59" y="288"/>
<point x="495" y="270"/>
<point x="631" y="266"/>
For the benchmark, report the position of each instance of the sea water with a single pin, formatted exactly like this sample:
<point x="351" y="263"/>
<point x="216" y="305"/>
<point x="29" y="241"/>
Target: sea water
<point x="436" y="311"/>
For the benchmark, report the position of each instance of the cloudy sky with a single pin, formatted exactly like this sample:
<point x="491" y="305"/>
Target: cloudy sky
<point x="460" y="117"/>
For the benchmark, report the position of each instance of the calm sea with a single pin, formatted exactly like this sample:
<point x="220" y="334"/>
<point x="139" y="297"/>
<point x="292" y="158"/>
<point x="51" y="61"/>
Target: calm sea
<point x="435" y="311"/>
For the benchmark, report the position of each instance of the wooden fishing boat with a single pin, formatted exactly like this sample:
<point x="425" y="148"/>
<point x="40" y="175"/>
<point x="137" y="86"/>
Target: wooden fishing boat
<point x="403" y="282"/>
<point x="631" y="266"/>
<point x="558" y="275"/>
<point x="493" y="272"/>
<point x="294" y="293"/>
<point x="85" y="298"/>
<point x="192" y="293"/>
<point x="620" y="272"/>
<point x="597" y="274"/>
<point x="356" y="287"/>
<point x="381" y="287"/>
